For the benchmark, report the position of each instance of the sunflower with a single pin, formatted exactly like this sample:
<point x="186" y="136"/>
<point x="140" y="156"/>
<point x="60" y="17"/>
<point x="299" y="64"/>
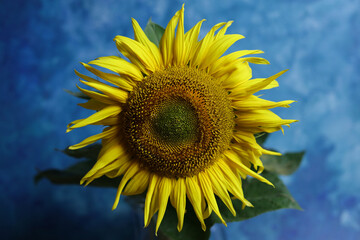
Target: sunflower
<point x="180" y="119"/>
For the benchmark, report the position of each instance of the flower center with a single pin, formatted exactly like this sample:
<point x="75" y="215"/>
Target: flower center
<point x="178" y="121"/>
<point x="175" y="123"/>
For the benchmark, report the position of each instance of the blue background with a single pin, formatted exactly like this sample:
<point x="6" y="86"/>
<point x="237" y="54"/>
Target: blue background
<point x="43" y="41"/>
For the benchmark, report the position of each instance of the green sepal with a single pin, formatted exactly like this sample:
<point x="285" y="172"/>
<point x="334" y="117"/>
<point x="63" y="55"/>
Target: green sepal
<point x="73" y="175"/>
<point x="77" y="94"/>
<point x="261" y="138"/>
<point x="264" y="197"/>
<point x="285" y="164"/>
<point x="154" y="32"/>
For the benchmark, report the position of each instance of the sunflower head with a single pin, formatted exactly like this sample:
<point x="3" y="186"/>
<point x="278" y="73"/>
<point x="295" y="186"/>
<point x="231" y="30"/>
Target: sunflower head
<point x="177" y="121"/>
<point x="180" y="119"/>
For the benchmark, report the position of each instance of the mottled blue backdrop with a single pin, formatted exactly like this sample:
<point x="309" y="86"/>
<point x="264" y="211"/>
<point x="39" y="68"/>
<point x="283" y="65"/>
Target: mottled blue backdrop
<point x="43" y="41"/>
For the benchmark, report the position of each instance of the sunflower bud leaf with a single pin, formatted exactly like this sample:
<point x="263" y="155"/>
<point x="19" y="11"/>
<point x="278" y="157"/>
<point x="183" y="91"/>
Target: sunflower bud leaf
<point x="154" y="32"/>
<point x="265" y="198"/>
<point x="285" y="164"/>
<point x="261" y="138"/>
<point x="73" y="175"/>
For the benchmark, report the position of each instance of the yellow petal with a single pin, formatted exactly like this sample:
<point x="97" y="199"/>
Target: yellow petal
<point x="107" y="133"/>
<point x="93" y="104"/>
<point x="154" y="206"/>
<point x="86" y="78"/>
<point x="204" y="45"/>
<point x="261" y="118"/>
<point x="111" y="78"/>
<point x="256" y="60"/>
<point x="241" y="74"/>
<point x="120" y="66"/>
<point x="164" y="190"/>
<point x="217" y="181"/>
<point x="150" y="195"/>
<point x="113" y="169"/>
<point x="133" y="169"/>
<point x="220" y="63"/>
<point x="251" y="87"/>
<point x="179" y="44"/>
<point x="252" y="102"/>
<point x="137" y="53"/>
<point x="248" y="140"/>
<point x="256" y="81"/>
<point x="116" y="168"/>
<point x="246" y="157"/>
<point x="105" y="122"/>
<point x="206" y="187"/>
<point x="97" y="96"/>
<point x="74" y="122"/>
<point x="249" y="155"/>
<point x="138" y="183"/>
<point x="113" y="93"/>
<point x="272" y="84"/>
<point x="218" y="48"/>
<point x="107" y="143"/>
<point x="233" y="182"/>
<point x="191" y="41"/>
<point x="178" y="200"/>
<point x="109" y="111"/>
<point x="233" y="158"/>
<point x="141" y="37"/>
<point x="222" y="31"/>
<point x="113" y="152"/>
<point x="194" y="195"/>
<point x="167" y="40"/>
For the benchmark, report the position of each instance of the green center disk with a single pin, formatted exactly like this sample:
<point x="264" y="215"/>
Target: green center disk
<point x="176" y="123"/>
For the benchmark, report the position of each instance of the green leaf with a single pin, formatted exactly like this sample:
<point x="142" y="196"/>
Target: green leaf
<point x="261" y="138"/>
<point x="285" y="164"/>
<point x="57" y="177"/>
<point x="90" y="152"/>
<point x="73" y="175"/>
<point x="265" y="198"/>
<point x="154" y="32"/>
<point x="191" y="229"/>
<point x="77" y="94"/>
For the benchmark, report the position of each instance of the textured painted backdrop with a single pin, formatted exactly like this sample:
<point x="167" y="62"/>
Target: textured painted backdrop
<point x="43" y="41"/>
